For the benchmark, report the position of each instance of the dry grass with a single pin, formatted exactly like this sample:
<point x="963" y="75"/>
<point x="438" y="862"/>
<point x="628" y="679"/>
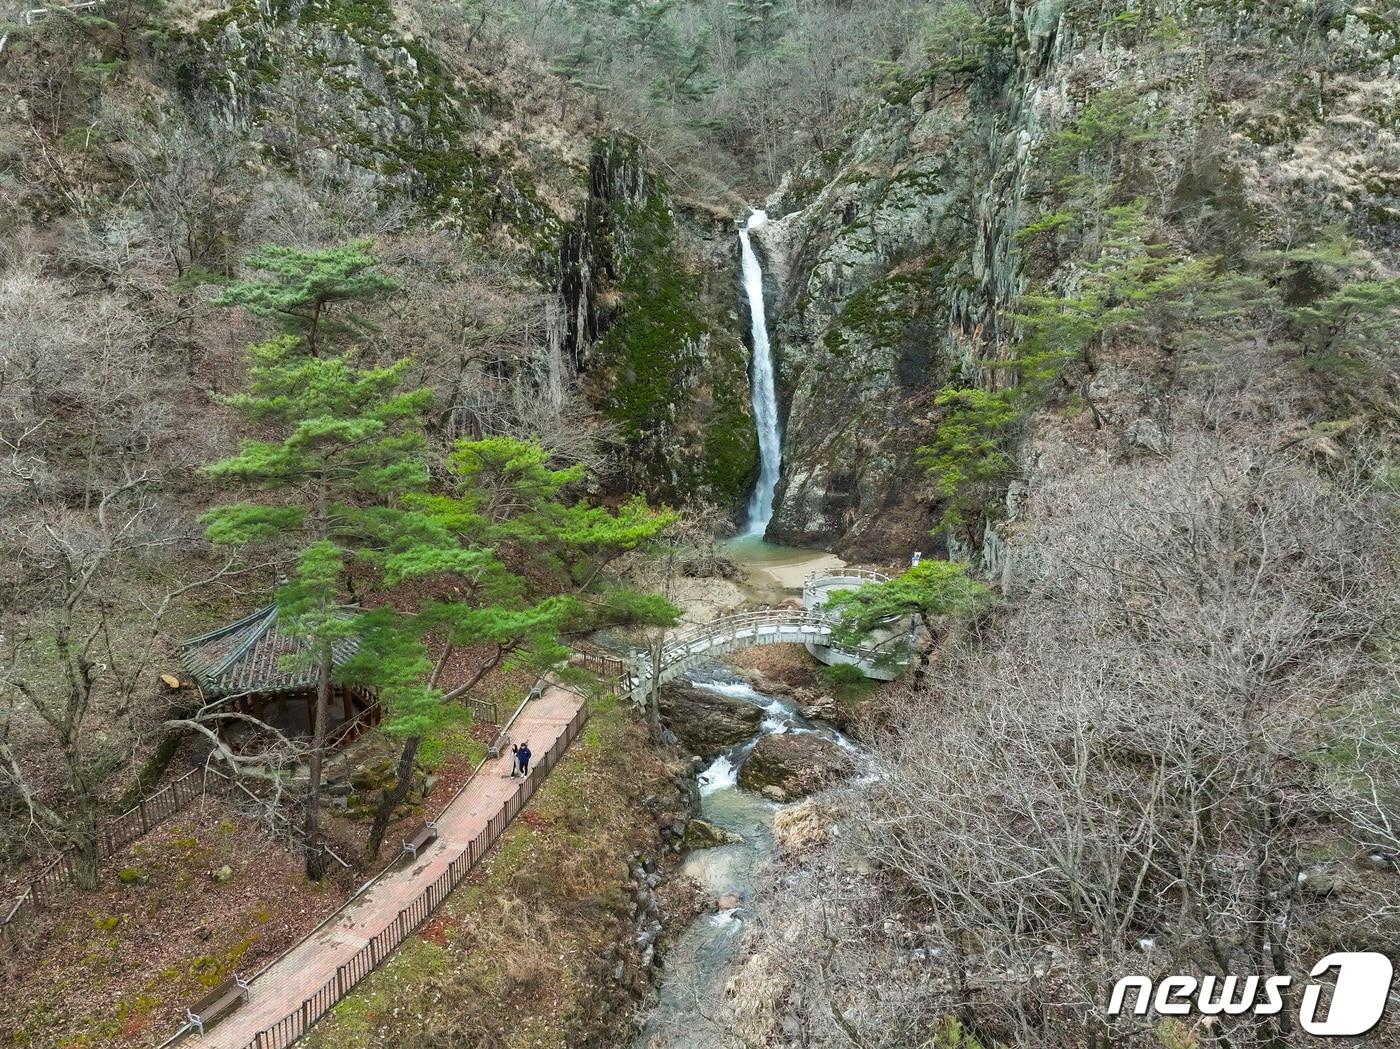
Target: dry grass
<point x="113" y="967"/>
<point x="790" y="664"/>
<point x="515" y="958"/>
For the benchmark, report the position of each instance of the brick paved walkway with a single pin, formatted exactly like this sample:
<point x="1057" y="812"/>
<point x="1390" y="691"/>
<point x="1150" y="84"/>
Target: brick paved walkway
<point x="307" y="966"/>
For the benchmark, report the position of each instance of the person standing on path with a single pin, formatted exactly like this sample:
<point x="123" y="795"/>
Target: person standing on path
<point x="523" y="757"/>
<point x="514" y="760"/>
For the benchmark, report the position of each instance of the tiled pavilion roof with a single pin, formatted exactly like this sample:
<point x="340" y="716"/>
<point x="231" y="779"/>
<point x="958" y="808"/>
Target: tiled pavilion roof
<point x="248" y="656"/>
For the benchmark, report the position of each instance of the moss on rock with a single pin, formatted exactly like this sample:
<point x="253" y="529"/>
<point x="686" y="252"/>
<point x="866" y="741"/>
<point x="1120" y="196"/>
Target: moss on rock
<point x="674" y="380"/>
<point x="402" y="121"/>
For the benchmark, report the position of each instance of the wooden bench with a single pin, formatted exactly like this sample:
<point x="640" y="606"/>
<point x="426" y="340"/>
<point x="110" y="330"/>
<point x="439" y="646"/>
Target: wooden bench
<point x="217" y="1004"/>
<point x="498" y="745"/>
<point x="426" y="834"/>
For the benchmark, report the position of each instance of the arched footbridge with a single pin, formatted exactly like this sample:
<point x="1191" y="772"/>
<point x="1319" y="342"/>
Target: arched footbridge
<point x="882" y="658"/>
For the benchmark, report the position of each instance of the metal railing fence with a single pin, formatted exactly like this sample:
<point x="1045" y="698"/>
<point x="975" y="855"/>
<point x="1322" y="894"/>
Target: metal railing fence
<point x="300" y="1020"/>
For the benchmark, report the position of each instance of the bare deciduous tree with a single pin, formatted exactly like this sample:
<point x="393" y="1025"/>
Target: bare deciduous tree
<point x="1149" y="761"/>
<point x="659" y="568"/>
<point x="83" y="434"/>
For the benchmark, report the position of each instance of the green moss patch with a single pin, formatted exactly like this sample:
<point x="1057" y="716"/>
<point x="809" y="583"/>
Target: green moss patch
<point x="674" y="382"/>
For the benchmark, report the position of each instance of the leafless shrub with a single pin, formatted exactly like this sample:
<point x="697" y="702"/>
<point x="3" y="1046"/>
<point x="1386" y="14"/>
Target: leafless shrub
<point x="264" y="769"/>
<point x="1162" y="756"/>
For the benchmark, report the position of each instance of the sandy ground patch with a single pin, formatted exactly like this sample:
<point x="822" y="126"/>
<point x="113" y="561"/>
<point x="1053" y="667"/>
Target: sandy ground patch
<point x="704" y="600"/>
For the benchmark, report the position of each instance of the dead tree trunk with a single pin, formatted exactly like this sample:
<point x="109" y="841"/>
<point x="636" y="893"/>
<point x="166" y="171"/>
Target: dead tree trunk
<point x="155" y="765"/>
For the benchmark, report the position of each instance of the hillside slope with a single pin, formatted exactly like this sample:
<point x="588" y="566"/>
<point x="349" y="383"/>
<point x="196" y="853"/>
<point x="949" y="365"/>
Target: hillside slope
<point x="544" y="288"/>
<point x="1107" y="300"/>
<point x="901" y="261"/>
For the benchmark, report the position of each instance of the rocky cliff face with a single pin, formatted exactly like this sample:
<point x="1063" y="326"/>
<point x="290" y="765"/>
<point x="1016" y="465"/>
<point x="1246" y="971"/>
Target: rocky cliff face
<point x="352" y="95"/>
<point x="1158" y="185"/>
<point x="892" y="261"/>
<point x="861" y="274"/>
<point x="361" y="96"/>
<point x="895" y="261"/>
<point x="658" y="353"/>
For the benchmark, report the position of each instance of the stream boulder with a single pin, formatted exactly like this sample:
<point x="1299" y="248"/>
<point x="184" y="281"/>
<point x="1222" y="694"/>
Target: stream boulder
<point x="707" y="723"/>
<point x="702" y="834"/>
<point x="796" y="763"/>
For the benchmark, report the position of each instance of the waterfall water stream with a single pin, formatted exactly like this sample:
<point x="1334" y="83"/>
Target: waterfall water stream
<point x="690" y="1011"/>
<point x="763" y="388"/>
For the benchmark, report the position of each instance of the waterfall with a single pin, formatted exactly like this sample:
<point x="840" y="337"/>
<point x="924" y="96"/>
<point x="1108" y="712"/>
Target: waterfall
<point x="763" y="390"/>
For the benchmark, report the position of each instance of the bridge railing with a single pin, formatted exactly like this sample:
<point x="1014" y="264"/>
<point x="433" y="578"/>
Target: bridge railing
<point x="739" y="622"/>
<point x="604" y="664"/>
<point x="35" y="13"/>
<point x="735" y="626"/>
<point x="636" y="675"/>
<point x="701" y="639"/>
<point x="844" y="575"/>
<point x="815" y="582"/>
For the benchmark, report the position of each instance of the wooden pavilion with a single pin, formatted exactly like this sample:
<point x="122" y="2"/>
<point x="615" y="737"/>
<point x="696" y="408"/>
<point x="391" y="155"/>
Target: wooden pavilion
<point x="253" y="663"/>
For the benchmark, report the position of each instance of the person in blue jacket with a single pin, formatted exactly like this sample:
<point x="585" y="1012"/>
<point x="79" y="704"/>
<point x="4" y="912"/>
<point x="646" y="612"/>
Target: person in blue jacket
<point x="523" y="756"/>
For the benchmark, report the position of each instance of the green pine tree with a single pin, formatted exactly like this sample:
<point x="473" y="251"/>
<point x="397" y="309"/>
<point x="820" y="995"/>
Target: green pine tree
<point x="1342" y="318"/>
<point x="1138" y="289"/>
<point x="970" y="455"/>
<point x="299" y="288"/>
<point x="504" y="503"/>
<point x="395" y="659"/>
<point x="347" y="448"/>
<point x="930" y="588"/>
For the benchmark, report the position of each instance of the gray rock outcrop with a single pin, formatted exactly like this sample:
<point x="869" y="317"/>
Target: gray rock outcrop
<point x="797" y="764"/>
<point x="707" y="722"/>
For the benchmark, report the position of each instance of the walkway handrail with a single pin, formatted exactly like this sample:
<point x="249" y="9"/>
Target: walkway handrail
<point x="112" y="836"/>
<point x="297" y="1022"/>
<point x="602" y="663"/>
<point x="843" y="576"/>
